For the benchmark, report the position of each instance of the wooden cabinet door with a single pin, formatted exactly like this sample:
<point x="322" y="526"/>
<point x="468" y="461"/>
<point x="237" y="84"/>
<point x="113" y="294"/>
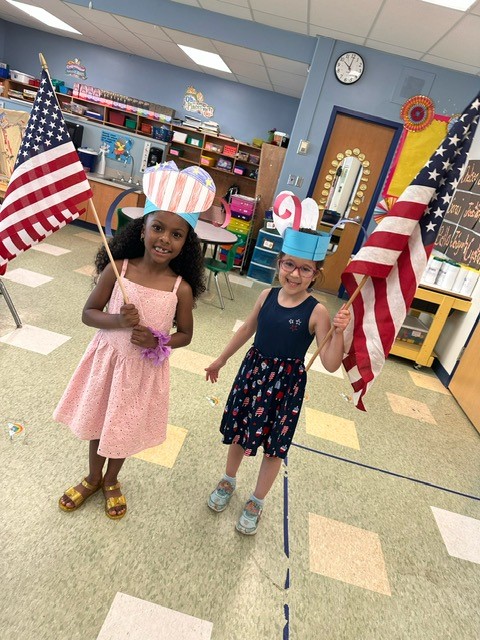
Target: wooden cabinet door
<point x="464" y="384"/>
<point x="104" y="195"/>
<point x="271" y="163"/>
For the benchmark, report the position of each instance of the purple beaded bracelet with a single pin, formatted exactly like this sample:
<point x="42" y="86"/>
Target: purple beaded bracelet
<point x="159" y="353"/>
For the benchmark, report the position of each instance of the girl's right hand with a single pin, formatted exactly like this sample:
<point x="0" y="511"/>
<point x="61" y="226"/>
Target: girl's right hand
<point x="129" y="316"/>
<point x="213" y="370"/>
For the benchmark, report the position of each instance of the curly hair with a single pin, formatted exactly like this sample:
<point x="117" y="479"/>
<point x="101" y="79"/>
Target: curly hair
<point x="126" y="245"/>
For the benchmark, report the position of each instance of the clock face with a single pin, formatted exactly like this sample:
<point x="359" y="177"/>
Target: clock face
<point x="349" y="67"/>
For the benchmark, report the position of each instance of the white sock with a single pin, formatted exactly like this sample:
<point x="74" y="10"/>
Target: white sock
<point x="232" y="481"/>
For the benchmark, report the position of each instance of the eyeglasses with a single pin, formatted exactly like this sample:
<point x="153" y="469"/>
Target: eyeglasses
<point x="305" y="271"/>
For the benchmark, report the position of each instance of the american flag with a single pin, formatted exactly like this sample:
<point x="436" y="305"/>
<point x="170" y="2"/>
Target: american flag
<point x="395" y="256"/>
<point x="48" y="181"/>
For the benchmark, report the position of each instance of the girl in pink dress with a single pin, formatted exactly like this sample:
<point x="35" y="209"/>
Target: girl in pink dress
<point x="118" y="395"/>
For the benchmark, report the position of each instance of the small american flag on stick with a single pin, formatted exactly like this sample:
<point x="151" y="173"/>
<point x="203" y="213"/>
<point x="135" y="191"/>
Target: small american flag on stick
<point x="395" y="256"/>
<point x="48" y="181"/>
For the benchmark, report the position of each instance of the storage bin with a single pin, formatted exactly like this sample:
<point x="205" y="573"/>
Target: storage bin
<point x="163" y="133"/>
<point x="242" y="204"/>
<point x="175" y="151"/>
<point x="265" y="257"/>
<point x="269" y="225"/>
<point x="207" y="161"/>
<point x="4" y="72"/>
<point x="412" y="330"/>
<point x="241" y="216"/>
<point x="131" y="124"/>
<point x="229" y="150"/>
<point x="263" y="274"/>
<point x="242" y="156"/>
<point x="115" y="117"/>
<point x="211" y="146"/>
<point x="178" y="136"/>
<point x="146" y="128"/>
<point x="238" y="226"/>
<point x="254" y="159"/>
<point x="270" y="241"/>
<point x="94" y="115"/>
<point x="195" y="142"/>
<point x="18" y="76"/>
<point x="225" y="163"/>
<point x="239" y="170"/>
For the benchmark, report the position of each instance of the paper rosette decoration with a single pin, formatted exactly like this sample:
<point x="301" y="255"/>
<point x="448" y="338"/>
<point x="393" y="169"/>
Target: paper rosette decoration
<point x="417" y="113"/>
<point x="383" y="207"/>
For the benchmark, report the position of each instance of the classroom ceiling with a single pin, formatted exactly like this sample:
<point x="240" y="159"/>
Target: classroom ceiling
<point x="411" y="28"/>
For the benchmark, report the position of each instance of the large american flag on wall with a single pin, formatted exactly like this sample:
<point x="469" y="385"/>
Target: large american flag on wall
<point x="48" y="181"/>
<point x="395" y="256"/>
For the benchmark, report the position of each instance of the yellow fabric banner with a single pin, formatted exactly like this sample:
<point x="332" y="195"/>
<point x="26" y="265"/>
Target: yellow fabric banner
<point x="417" y="147"/>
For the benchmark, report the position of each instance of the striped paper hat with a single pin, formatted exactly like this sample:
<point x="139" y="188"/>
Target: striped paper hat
<point x="186" y="193"/>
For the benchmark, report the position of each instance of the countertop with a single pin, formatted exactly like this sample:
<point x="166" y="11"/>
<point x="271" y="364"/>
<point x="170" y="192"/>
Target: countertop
<point x="113" y="183"/>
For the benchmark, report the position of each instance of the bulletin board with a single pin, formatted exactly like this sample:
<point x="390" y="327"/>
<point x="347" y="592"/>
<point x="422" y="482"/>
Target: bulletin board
<point x="12" y="127"/>
<point x="459" y="235"/>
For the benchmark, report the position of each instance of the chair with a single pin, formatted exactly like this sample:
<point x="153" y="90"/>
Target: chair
<point x="217" y="266"/>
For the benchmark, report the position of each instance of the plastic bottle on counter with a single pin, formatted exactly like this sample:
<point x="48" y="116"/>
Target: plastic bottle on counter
<point x="431" y="272"/>
<point x="447" y="274"/>
<point x="101" y="160"/>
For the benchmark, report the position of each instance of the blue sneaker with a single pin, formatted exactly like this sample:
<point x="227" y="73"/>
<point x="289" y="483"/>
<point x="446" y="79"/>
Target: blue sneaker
<point x="219" y="499"/>
<point x="248" y="521"/>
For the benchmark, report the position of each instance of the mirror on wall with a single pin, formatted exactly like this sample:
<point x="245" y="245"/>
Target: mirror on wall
<point x="345" y="185"/>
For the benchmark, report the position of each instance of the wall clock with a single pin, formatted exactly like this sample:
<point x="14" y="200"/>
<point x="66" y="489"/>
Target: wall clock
<point x="349" y="67"/>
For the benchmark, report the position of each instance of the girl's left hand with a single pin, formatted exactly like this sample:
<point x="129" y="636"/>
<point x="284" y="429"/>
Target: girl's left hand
<point x="143" y="337"/>
<point x="341" y="319"/>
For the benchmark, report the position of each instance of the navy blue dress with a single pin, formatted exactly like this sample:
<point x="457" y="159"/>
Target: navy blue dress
<point x="267" y="394"/>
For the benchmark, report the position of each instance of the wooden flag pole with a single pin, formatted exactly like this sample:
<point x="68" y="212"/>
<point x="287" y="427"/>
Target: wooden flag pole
<point x="332" y="328"/>
<point x="43" y="62"/>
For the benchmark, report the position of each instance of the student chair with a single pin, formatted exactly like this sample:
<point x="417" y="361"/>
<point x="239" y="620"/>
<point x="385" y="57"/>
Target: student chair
<point x="217" y="266"/>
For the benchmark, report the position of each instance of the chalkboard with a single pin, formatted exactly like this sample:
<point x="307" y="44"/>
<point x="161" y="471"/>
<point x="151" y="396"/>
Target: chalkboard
<point x="459" y="235"/>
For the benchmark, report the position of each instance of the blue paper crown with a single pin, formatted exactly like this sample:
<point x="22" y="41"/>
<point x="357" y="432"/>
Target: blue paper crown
<point x="191" y="218"/>
<point x="306" y="245"/>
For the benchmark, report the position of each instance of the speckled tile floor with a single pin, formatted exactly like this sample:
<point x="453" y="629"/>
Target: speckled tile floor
<point x="371" y="531"/>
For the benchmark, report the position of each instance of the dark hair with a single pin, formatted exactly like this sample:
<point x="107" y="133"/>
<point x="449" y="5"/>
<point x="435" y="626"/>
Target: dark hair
<point x="126" y="245"/>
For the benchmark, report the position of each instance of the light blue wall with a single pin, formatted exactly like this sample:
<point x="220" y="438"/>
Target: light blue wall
<point x="242" y="111"/>
<point x="372" y="94"/>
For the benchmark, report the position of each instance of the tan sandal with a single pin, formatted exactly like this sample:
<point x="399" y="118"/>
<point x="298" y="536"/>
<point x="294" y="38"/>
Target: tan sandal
<point x="76" y="497"/>
<point x="115" y="501"/>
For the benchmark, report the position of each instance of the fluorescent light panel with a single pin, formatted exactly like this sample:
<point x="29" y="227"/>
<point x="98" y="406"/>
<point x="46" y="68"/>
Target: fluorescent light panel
<point x="43" y="16"/>
<point x="205" y="58"/>
<point x="460" y="5"/>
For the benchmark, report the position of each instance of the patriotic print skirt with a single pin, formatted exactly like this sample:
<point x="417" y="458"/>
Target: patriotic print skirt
<point x="264" y="404"/>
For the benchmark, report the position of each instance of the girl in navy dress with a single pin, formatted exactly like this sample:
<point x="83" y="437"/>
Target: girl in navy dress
<point x="267" y="394"/>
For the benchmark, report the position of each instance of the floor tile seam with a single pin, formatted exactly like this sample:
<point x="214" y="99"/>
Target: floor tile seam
<point x="387" y="472"/>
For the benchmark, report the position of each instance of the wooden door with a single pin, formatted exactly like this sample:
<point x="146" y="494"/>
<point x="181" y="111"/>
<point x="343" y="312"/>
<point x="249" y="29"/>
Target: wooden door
<point x="271" y="163"/>
<point x="464" y="384"/>
<point x="371" y="142"/>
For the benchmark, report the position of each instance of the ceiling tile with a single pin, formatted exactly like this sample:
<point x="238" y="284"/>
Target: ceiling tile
<point x="316" y="30"/>
<point x="247" y="69"/>
<point x="143" y="28"/>
<point x="391" y="48"/>
<point x="227" y="8"/>
<point x="395" y="24"/>
<point x="450" y="64"/>
<point x="240" y="53"/>
<point x="463" y="39"/>
<point x="281" y="23"/>
<point x="285" y="79"/>
<point x="349" y="15"/>
<point x="192" y="3"/>
<point x="283" y="64"/>
<point x="219" y="74"/>
<point x="297" y="10"/>
<point x="97" y="17"/>
<point x="287" y="91"/>
<point x="188" y="40"/>
<point x="255" y="83"/>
